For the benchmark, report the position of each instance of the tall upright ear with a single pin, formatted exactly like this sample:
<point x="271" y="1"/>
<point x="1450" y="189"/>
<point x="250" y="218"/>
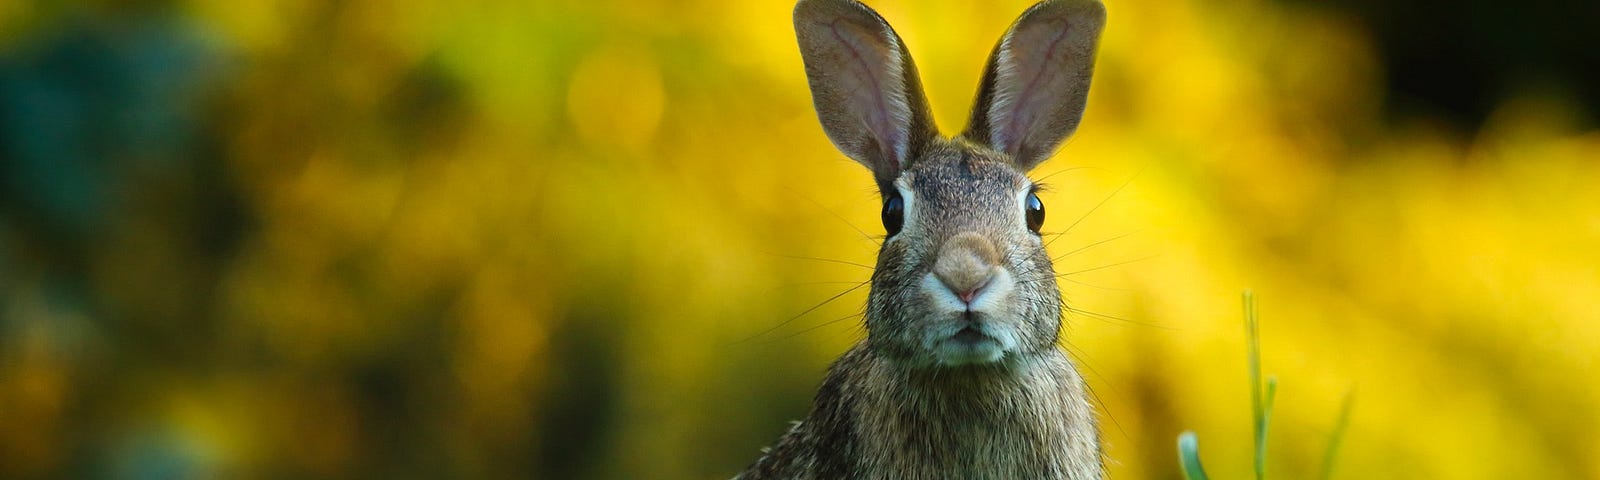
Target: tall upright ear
<point x="1037" y="80"/>
<point x="863" y="83"/>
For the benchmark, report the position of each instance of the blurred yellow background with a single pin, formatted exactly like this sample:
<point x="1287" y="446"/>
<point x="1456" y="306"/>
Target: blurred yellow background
<point x="575" y="239"/>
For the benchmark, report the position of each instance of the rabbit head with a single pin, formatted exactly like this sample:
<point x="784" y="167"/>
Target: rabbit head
<point x="962" y="277"/>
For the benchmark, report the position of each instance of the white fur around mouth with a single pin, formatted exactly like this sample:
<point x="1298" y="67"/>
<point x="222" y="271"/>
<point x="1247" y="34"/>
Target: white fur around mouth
<point x="968" y="346"/>
<point x="969" y="334"/>
<point x="962" y="341"/>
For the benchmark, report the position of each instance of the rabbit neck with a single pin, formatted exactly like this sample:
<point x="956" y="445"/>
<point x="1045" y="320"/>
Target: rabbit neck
<point x="1026" y="420"/>
<point x="877" y="419"/>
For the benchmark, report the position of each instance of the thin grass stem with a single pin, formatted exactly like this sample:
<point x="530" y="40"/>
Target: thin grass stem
<point x="1337" y="437"/>
<point x="1257" y="406"/>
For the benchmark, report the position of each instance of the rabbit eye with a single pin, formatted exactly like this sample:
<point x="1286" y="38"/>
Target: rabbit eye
<point x="894" y="212"/>
<point x="1035" y="213"/>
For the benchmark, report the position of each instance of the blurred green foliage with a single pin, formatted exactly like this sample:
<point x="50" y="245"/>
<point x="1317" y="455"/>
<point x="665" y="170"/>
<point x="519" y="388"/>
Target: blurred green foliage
<point x="481" y="239"/>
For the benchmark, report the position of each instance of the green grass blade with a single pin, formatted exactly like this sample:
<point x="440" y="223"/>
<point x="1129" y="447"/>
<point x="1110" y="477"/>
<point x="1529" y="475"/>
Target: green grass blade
<point x="1257" y="407"/>
<point x="1337" y="437"/>
<point x="1189" y="456"/>
<point x="1265" y="423"/>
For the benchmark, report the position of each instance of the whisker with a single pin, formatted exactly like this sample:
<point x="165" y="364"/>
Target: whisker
<point x="835" y="282"/>
<point x="1106" y="409"/>
<point x="859" y="331"/>
<point x="1102" y="267"/>
<point x="861" y="313"/>
<point x="1046" y="278"/>
<point x="1101" y="287"/>
<point x="1083" y="359"/>
<point x="1106" y="317"/>
<point x="792" y="287"/>
<point x="807" y="311"/>
<point x="1068" y="309"/>
<point x="1097" y="206"/>
<point x="1089" y="246"/>
<point x="820" y="259"/>
<point x="836" y="215"/>
<point x="1064" y="170"/>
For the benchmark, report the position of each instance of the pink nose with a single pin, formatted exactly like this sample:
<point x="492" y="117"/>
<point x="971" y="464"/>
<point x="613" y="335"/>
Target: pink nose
<point x="966" y="263"/>
<point x="969" y="294"/>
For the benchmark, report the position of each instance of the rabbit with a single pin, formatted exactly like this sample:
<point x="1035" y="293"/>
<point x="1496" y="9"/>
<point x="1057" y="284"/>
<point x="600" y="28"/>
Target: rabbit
<point x="960" y="375"/>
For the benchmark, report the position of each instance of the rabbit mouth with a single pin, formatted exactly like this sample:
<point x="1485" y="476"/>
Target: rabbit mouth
<point x="969" y="336"/>
<point x="971" y="342"/>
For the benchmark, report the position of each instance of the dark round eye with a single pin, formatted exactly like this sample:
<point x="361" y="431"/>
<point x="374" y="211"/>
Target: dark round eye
<point x="1035" y="212"/>
<point x="894" y="213"/>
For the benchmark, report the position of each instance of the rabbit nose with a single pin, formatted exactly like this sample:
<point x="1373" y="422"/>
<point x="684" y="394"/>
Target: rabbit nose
<point x="965" y="264"/>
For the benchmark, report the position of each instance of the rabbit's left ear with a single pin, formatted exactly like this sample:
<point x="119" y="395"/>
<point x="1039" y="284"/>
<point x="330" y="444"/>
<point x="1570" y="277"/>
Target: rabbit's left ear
<point x="864" y="85"/>
<point x="1037" y="80"/>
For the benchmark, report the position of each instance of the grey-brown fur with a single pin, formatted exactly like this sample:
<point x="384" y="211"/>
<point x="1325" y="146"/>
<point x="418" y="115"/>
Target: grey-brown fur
<point x="960" y="375"/>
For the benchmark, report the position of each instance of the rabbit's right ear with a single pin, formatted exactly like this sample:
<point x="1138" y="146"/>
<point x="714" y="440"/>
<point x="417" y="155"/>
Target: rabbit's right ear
<point x="1036" y="84"/>
<point x="863" y="83"/>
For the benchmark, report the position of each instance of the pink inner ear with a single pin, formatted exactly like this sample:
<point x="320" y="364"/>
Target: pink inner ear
<point x="1029" y="73"/>
<point x="872" y="75"/>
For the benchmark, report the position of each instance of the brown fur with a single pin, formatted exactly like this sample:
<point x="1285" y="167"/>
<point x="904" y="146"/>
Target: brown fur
<point x="960" y="375"/>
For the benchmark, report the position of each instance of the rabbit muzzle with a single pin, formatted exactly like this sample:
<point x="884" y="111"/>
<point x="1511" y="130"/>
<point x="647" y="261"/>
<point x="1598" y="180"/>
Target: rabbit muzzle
<point x="969" y="290"/>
